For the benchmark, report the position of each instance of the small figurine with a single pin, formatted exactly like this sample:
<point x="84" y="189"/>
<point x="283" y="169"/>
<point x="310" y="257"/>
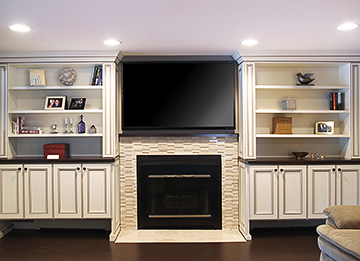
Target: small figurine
<point x="92" y="129"/>
<point x="53" y="129"/>
<point x="305" y="79"/>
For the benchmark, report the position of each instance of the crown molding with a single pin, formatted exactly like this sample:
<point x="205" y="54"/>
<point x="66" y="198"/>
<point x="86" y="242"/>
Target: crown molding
<point x="297" y="56"/>
<point x="60" y="56"/>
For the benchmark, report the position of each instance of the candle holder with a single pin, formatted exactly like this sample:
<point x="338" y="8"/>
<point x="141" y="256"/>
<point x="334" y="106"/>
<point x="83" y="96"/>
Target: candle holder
<point x="66" y="126"/>
<point x="71" y="126"/>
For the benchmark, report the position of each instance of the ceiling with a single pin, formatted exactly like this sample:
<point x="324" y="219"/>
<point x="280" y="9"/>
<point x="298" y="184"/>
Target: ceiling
<point x="180" y="26"/>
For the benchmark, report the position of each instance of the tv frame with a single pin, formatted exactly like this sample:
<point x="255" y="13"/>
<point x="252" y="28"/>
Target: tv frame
<point x="179" y="131"/>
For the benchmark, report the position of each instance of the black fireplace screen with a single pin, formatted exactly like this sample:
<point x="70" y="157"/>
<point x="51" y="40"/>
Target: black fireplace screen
<point x="179" y="192"/>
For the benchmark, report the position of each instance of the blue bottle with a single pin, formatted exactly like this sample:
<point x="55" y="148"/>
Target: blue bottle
<point x="81" y="128"/>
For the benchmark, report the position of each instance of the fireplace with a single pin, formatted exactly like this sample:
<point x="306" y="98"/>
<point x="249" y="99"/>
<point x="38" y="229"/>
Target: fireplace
<point x="179" y="192"/>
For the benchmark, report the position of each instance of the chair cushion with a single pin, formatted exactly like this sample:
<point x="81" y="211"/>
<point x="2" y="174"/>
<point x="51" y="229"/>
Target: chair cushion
<point x="348" y="240"/>
<point x="344" y="216"/>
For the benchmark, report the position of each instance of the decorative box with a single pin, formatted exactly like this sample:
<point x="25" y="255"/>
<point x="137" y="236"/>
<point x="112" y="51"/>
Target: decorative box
<point x="288" y="104"/>
<point x="56" y="151"/>
<point x="282" y="125"/>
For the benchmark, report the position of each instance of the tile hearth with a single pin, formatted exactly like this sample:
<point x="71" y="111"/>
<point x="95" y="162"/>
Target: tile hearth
<point x="179" y="236"/>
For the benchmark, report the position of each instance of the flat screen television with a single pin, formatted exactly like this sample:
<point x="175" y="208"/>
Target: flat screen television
<point x="178" y="95"/>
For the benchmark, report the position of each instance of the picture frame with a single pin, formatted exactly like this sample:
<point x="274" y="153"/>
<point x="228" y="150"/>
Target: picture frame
<point x="77" y="103"/>
<point x="324" y="127"/>
<point x="37" y="77"/>
<point x="55" y="103"/>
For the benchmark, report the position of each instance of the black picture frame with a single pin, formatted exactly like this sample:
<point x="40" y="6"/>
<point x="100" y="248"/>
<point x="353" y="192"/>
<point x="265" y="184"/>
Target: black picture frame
<point x="77" y="103"/>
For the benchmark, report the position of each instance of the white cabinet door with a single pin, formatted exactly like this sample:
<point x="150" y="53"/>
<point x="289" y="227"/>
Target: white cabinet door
<point x="263" y="192"/>
<point x="3" y="111"/>
<point x="11" y="192"/>
<point x="348" y="185"/>
<point x="292" y="192"/>
<point x="67" y="191"/>
<point x="96" y="188"/>
<point x="321" y="189"/>
<point x="38" y="191"/>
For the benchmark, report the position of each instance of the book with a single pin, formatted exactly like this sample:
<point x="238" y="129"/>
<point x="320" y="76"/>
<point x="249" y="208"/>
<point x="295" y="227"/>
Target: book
<point x="337" y="100"/>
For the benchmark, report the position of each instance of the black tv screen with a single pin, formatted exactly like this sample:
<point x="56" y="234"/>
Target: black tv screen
<point x="178" y="95"/>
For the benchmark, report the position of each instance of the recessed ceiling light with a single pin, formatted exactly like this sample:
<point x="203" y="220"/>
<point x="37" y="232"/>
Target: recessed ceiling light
<point x="112" y="42"/>
<point x="249" y="42"/>
<point x="20" y="28"/>
<point x="347" y="26"/>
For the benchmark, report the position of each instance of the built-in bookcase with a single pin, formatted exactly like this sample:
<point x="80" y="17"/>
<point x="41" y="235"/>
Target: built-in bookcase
<point x="265" y="84"/>
<point x="29" y="102"/>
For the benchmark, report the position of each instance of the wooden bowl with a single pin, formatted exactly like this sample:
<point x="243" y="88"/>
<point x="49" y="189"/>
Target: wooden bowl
<point x="300" y="155"/>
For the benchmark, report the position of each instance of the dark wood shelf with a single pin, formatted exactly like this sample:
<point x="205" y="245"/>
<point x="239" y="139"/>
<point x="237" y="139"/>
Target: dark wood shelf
<point x="306" y="161"/>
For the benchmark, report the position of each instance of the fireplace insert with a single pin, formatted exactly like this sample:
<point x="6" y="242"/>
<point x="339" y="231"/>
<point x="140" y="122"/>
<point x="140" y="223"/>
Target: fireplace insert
<point x="179" y="192"/>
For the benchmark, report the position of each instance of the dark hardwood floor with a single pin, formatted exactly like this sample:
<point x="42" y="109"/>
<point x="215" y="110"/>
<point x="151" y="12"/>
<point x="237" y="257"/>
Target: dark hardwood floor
<point x="54" y="245"/>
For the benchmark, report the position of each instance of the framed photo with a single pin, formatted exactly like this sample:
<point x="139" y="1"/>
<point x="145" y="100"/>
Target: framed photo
<point x="77" y="103"/>
<point x="37" y="77"/>
<point x="55" y="103"/>
<point x="324" y="127"/>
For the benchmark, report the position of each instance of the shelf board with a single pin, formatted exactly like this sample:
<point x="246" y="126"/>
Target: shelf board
<point x="49" y="88"/>
<point x="59" y="135"/>
<point x="321" y="136"/>
<point x="55" y="111"/>
<point x="305" y="111"/>
<point x="298" y="87"/>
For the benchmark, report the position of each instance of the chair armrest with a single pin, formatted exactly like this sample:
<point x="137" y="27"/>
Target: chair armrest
<point x="344" y="216"/>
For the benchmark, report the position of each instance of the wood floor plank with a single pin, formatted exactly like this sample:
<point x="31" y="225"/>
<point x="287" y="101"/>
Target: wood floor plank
<point x="54" y="245"/>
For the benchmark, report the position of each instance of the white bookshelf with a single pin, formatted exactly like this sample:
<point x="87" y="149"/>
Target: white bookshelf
<point x="29" y="102"/>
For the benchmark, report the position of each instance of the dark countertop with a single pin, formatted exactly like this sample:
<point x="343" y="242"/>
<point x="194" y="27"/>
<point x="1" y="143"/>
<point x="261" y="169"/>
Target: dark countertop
<point x="306" y="161"/>
<point x="40" y="160"/>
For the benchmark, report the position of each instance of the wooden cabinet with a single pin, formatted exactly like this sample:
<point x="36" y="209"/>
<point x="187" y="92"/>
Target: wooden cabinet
<point x="3" y="109"/>
<point x="82" y="191"/>
<point x="38" y="190"/>
<point x="321" y="189"/>
<point x="67" y="191"/>
<point x="348" y="184"/>
<point x="96" y="191"/>
<point x="11" y="192"/>
<point x="277" y="192"/>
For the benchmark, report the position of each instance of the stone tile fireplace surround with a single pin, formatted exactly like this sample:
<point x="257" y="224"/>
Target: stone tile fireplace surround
<point x="226" y="146"/>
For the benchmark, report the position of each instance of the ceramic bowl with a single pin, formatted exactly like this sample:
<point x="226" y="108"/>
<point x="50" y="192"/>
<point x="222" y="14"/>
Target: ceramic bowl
<point x="300" y="155"/>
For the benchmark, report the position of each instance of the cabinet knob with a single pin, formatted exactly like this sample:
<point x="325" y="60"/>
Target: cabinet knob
<point x="19" y="169"/>
<point x="275" y="170"/>
<point x="339" y="169"/>
<point x="78" y="168"/>
<point x="333" y="169"/>
<point x="84" y="168"/>
<point x="281" y="170"/>
<point x="25" y="169"/>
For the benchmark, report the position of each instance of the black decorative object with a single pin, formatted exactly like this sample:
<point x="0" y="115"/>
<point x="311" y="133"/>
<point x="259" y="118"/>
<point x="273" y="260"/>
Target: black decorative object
<point x="304" y="79"/>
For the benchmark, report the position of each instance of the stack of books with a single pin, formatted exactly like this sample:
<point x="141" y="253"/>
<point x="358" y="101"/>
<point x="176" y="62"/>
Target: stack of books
<point x="18" y="127"/>
<point x="337" y="100"/>
<point x="97" y="76"/>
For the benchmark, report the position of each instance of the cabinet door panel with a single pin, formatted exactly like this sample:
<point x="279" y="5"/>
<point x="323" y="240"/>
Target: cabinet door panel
<point x="96" y="187"/>
<point x="263" y="192"/>
<point x="321" y="189"/>
<point x="348" y="185"/>
<point x="67" y="191"/>
<point x="292" y="192"/>
<point x="11" y="192"/>
<point x="38" y="191"/>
